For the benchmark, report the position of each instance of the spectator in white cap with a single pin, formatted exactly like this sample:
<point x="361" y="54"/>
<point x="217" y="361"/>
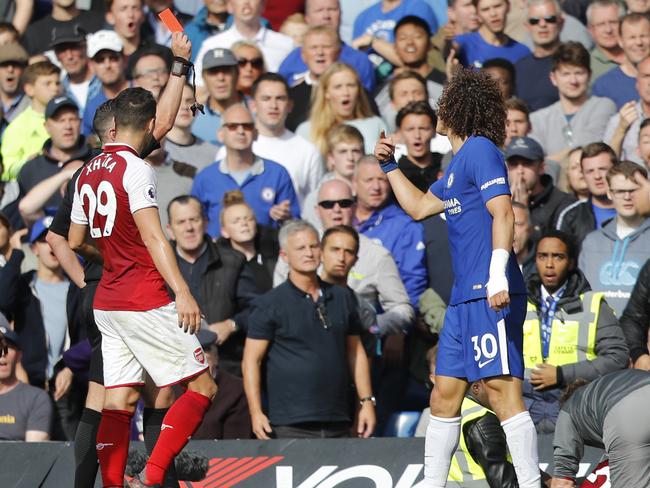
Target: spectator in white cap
<point x="220" y="72"/>
<point x="106" y="52"/>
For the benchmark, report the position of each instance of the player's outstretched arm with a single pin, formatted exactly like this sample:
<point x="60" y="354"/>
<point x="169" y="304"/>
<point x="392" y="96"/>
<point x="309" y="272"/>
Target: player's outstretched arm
<point x="503" y="221"/>
<point x="148" y="222"/>
<point x="419" y="205"/>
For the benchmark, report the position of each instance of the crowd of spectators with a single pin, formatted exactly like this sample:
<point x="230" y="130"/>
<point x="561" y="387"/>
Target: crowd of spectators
<point x="268" y="191"/>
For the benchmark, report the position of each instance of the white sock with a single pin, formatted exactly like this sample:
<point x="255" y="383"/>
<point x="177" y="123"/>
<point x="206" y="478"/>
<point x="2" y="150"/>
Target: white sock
<point x="439" y="446"/>
<point x="521" y="437"/>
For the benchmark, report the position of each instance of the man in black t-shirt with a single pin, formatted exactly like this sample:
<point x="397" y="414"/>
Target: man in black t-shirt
<point x="307" y="332"/>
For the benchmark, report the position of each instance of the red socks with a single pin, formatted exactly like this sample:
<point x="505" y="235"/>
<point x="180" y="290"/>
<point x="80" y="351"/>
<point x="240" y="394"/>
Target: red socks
<point x="113" y="445"/>
<point x="181" y="421"/>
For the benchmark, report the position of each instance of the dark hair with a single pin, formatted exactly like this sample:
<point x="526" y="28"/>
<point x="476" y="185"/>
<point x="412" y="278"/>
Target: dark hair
<point x="644" y="124"/>
<point x="343" y="229"/>
<point x="162" y="52"/>
<point x="627" y="169"/>
<point x="573" y="53"/>
<point x="103" y="118"/>
<point x="134" y="108"/>
<point x="270" y="77"/>
<point x="631" y="18"/>
<point x="503" y="64"/>
<point x="413" y="20"/>
<point x="183" y="200"/>
<point x="416" y="108"/>
<point x="570" y="389"/>
<point x="472" y="105"/>
<point x="596" y="148"/>
<point x="567" y="240"/>
<point x="518" y="104"/>
<point x="406" y="75"/>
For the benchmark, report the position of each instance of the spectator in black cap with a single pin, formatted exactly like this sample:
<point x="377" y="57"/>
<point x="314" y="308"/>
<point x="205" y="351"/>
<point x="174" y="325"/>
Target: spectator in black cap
<point x="531" y="186"/>
<point x="63" y="153"/>
<point x="43" y="305"/>
<point x="149" y="68"/>
<point x="70" y="48"/>
<point x="13" y="59"/>
<point x="64" y="13"/>
<point x="27" y="410"/>
<point x="220" y="73"/>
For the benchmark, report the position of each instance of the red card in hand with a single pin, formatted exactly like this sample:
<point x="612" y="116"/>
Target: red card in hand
<point x="171" y="22"/>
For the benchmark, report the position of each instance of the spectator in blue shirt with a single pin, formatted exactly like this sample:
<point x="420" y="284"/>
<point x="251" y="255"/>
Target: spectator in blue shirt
<point x="327" y="13"/>
<point x="266" y="185"/>
<point x="374" y="28"/>
<point x="490" y="41"/>
<point x="387" y="224"/>
<point x="220" y="73"/>
<point x="619" y="84"/>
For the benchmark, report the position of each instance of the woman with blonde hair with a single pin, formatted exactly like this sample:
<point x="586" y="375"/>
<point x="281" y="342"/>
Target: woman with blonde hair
<point x="250" y="63"/>
<point x="340" y="99"/>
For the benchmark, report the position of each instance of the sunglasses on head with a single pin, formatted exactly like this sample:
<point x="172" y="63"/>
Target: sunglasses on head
<point x="330" y="204"/>
<point x="551" y="19"/>
<point x="235" y="125"/>
<point x="257" y="63"/>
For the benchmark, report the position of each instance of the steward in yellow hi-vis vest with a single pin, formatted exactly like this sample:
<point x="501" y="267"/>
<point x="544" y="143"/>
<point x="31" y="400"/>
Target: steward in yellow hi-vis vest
<point x="481" y="459"/>
<point x="570" y="332"/>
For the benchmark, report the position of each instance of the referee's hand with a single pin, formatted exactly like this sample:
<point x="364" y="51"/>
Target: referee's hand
<point x="189" y="314"/>
<point x="181" y="46"/>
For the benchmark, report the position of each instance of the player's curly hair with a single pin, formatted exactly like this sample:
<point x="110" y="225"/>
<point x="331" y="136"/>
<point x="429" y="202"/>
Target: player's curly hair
<point x="472" y="105"/>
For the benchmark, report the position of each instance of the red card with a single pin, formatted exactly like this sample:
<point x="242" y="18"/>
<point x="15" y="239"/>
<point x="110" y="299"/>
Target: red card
<point x="171" y="22"/>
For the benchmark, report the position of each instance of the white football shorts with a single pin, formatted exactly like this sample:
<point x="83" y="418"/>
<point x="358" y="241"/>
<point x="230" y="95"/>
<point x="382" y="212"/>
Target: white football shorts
<point x="151" y="341"/>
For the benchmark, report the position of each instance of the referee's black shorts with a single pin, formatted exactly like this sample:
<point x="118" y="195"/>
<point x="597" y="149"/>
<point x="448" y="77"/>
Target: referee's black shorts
<point x="96" y="372"/>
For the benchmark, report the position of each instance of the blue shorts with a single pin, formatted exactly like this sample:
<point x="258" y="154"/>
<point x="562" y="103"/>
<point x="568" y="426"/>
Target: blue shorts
<point x="477" y="342"/>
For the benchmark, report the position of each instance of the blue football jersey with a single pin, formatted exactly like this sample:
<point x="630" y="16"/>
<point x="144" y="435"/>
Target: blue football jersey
<point x="476" y="174"/>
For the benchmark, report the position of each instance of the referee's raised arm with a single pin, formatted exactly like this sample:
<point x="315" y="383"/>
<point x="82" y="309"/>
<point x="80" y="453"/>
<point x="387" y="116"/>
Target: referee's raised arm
<point x="419" y="205"/>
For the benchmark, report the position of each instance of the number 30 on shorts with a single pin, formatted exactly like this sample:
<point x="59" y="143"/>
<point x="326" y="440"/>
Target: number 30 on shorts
<point x="485" y="346"/>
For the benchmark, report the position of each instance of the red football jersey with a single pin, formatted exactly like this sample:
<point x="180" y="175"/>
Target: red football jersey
<point x="111" y="187"/>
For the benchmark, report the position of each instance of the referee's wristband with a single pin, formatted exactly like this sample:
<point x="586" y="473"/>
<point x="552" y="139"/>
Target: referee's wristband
<point x="388" y="165"/>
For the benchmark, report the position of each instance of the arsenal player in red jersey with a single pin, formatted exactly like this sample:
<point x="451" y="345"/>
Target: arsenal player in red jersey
<point x="143" y="330"/>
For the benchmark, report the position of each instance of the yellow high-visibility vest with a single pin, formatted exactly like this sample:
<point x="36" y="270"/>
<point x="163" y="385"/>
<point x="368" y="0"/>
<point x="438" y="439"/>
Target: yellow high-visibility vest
<point x="573" y="335"/>
<point x="464" y="471"/>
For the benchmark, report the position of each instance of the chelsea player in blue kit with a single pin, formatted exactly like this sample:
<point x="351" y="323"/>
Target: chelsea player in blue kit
<point x="482" y="335"/>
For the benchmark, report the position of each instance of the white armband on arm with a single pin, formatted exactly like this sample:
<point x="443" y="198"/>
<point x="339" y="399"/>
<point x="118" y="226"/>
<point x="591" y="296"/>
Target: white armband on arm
<point x="497" y="280"/>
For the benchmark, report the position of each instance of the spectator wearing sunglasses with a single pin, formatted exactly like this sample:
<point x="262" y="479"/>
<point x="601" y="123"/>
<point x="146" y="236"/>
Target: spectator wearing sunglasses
<point x="266" y="185"/>
<point x="619" y="84"/>
<point x="250" y="62"/>
<point x="307" y="332"/>
<point x="544" y="24"/>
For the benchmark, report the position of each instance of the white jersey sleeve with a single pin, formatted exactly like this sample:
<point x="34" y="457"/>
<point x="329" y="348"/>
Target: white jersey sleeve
<point x="78" y="216"/>
<point x="140" y="184"/>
